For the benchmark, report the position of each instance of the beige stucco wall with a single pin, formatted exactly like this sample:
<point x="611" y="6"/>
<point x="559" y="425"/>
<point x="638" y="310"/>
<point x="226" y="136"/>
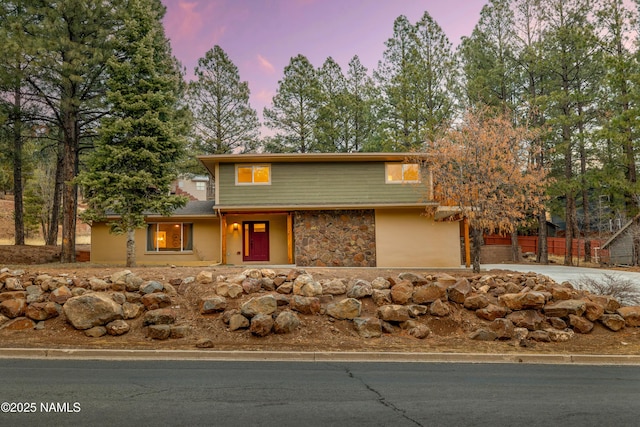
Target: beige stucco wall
<point x="405" y="238"/>
<point x="108" y="248"/>
<point x="277" y="238"/>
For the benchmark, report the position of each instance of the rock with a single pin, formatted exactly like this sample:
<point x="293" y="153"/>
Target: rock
<point x="333" y="287"/>
<point x="156" y="300"/>
<point x="34" y="294"/>
<point x="380" y="283"/>
<point x="5" y="296"/>
<point x="261" y="325"/>
<point x="559" y="293"/>
<point x="238" y="321"/>
<point x="348" y="308"/>
<point x="360" y="289"/>
<point x="523" y="301"/>
<point x="564" y="308"/>
<point x="429" y="293"/>
<point x="492" y="312"/>
<point x="413" y="278"/>
<point x="305" y="305"/>
<point x="476" y="302"/>
<point x="251" y="285"/>
<point x="483" y="335"/>
<point x="98" y="285"/>
<point x="96" y="332"/>
<point x="446" y="279"/>
<point x="420" y="331"/>
<point x="131" y="310"/>
<point x="416" y="310"/>
<point x="179" y="331"/>
<point x="253" y="273"/>
<point x="158" y="332"/>
<point x="503" y="328"/>
<point x="213" y="305"/>
<point x="393" y="313"/>
<point x="557" y="322"/>
<point x="539" y="336"/>
<point x="311" y="289"/>
<point x="151" y="287"/>
<point x="268" y="273"/>
<point x="13" y="284"/>
<point x="559" y="336"/>
<point x="631" y="315"/>
<point x="13" y="308"/>
<point x="530" y="319"/>
<point x="439" y="308"/>
<point x="204" y="277"/>
<point x="614" y="322"/>
<point x="204" y="343"/>
<point x="387" y="327"/>
<point x="300" y="281"/>
<point x="402" y="292"/>
<point x="18" y="324"/>
<point x="293" y="274"/>
<point x="580" y="324"/>
<point x="285" y="288"/>
<point x="593" y="311"/>
<point x="260" y="305"/>
<point x="39" y="311"/>
<point x="231" y="290"/>
<point x="368" y="327"/>
<point x="286" y="322"/>
<point x="459" y="291"/>
<point x="117" y="327"/>
<point x="520" y="334"/>
<point x="237" y="279"/>
<point x="119" y="297"/>
<point x="609" y="303"/>
<point x="381" y="297"/>
<point x="89" y="310"/>
<point x="161" y="316"/>
<point x="226" y="316"/>
<point x="267" y="284"/>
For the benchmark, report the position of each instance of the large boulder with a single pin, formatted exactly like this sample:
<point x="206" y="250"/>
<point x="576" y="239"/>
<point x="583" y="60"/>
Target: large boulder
<point x="161" y="316"/>
<point x="333" y="287"/>
<point x="360" y="289"/>
<point x="368" y="327"/>
<point x="286" y="322"/>
<point x="266" y="304"/>
<point x="522" y="301"/>
<point x="13" y="308"/>
<point x="394" y="313"/>
<point x="89" y="310"/>
<point x="564" y="308"/>
<point x="614" y="322"/>
<point x="402" y="292"/>
<point x="212" y="305"/>
<point x="43" y="310"/>
<point x="429" y="293"/>
<point x="459" y="291"/>
<point x="261" y="325"/>
<point x="580" y="324"/>
<point x="348" y="308"/>
<point x="156" y="300"/>
<point x="631" y="315"/>
<point x="305" y="305"/>
<point x="492" y="312"/>
<point x="530" y="319"/>
<point x="476" y="302"/>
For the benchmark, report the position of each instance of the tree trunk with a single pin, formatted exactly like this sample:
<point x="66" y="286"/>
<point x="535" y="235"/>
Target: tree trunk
<point x="515" y="249"/>
<point x="542" y="255"/>
<point x="131" y="247"/>
<point x="17" y="168"/>
<point x="69" y="189"/>
<point x="54" y="215"/>
<point x="477" y="245"/>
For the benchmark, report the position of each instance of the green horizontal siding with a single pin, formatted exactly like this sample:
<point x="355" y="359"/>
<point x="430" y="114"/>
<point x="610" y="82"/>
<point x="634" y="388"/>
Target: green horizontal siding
<point x="318" y="183"/>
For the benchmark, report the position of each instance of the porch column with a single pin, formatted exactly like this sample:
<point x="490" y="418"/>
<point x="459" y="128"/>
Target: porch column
<point x="223" y="233"/>
<point x="289" y="238"/>
<point x="467" y="248"/>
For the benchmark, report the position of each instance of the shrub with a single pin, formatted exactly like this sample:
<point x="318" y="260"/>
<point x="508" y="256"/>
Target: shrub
<point x="626" y="291"/>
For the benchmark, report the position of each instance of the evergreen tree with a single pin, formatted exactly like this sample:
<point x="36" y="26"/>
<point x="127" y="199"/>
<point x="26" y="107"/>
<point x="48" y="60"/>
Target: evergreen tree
<point x="361" y="98"/>
<point x="131" y="170"/>
<point x="331" y="123"/>
<point x="294" y="111"/>
<point x="224" y="121"/>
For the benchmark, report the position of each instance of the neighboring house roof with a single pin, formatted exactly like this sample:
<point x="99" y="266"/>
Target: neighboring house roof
<point x="620" y="232"/>
<point x="195" y="208"/>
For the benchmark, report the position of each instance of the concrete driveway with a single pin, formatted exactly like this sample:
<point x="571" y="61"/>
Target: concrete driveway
<point x="562" y="273"/>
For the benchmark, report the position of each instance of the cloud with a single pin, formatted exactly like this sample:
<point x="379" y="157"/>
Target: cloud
<point x="265" y="64"/>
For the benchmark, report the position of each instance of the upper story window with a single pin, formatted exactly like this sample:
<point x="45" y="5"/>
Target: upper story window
<point x="201" y="186"/>
<point x="402" y="173"/>
<point x="253" y="174"/>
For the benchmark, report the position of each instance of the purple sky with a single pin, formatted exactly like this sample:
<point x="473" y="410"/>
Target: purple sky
<point x="261" y="36"/>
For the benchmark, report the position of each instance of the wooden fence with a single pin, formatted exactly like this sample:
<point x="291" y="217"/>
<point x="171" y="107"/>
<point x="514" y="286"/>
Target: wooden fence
<point x="555" y="245"/>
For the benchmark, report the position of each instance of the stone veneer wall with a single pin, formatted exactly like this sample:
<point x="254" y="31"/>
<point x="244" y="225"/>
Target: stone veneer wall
<point x="335" y="238"/>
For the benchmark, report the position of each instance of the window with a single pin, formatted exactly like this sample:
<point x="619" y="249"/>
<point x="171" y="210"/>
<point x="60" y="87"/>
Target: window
<point x="402" y="172"/>
<point x="253" y="174"/>
<point x="169" y="237"/>
<point x="201" y="186"/>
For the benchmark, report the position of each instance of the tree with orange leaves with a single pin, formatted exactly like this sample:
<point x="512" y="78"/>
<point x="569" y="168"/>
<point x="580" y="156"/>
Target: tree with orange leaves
<point x="483" y="167"/>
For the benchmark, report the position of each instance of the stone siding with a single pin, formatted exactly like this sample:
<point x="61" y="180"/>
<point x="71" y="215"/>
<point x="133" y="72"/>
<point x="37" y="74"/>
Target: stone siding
<point x="335" y="238"/>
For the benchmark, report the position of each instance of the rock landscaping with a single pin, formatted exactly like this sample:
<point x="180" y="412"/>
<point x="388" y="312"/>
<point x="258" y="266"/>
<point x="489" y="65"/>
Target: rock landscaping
<point x="518" y="308"/>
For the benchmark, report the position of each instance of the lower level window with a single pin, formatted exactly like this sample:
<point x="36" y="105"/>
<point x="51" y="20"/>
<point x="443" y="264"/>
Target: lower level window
<point x="169" y="236"/>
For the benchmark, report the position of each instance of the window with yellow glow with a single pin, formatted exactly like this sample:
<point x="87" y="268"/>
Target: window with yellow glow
<point x="402" y="173"/>
<point x="253" y="174"/>
<point x="169" y="236"/>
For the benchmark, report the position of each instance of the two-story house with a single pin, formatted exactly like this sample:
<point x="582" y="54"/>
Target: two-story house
<point x="329" y="209"/>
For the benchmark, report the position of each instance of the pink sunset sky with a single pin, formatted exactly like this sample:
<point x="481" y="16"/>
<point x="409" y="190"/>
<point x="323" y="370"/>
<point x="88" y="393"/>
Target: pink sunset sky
<point x="261" y="36"/>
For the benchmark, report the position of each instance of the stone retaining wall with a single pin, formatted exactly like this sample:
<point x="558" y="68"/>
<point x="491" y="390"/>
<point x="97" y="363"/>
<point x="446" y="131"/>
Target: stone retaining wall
<point x="335" y="238"/>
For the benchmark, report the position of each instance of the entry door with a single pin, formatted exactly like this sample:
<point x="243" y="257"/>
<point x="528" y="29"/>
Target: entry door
<point x="256" y="241"/>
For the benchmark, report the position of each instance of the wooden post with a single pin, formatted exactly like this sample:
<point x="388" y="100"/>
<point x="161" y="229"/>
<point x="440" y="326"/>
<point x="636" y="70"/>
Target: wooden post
<point x="223" y="233"/>
<point x="467" y="248"/>
<point x="289" y="238"/>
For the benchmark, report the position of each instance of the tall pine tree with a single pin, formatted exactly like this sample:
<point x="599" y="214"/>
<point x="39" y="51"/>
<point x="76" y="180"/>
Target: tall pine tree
<point x="131" y="170"/>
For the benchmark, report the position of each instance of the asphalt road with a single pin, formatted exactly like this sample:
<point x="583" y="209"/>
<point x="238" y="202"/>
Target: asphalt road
<point x="160" y="393"/>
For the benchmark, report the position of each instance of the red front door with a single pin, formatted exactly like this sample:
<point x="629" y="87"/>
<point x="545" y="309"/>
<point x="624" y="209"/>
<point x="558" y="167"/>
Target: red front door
<point x="256" y="241"/>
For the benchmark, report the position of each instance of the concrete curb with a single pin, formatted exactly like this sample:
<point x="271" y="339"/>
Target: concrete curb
<point x="282" y="356"/>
